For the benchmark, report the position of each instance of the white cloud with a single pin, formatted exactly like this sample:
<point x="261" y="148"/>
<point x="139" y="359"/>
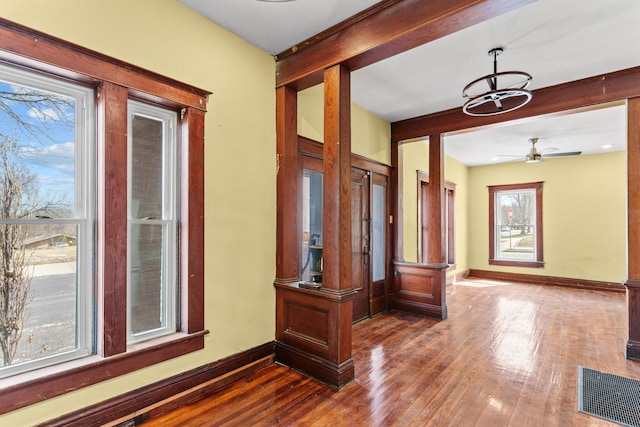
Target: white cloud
<point x="57" y="156"/>
<point x="44" y="114"/>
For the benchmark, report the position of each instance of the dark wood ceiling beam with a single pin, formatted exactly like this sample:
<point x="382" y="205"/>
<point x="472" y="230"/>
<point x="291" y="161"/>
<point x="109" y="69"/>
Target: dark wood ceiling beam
<point x="383" y="31"/>
<point x="580" y="94"/>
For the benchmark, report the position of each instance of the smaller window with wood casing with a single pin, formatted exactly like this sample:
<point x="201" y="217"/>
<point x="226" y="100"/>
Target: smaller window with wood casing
<point x="515" y="225"/>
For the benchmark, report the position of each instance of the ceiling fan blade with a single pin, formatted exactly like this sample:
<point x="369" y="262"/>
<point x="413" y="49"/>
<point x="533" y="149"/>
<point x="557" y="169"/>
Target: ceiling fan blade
<point x="548" y="149"/>
<point x="511" y="155"/>
<point x="565" y="154"/>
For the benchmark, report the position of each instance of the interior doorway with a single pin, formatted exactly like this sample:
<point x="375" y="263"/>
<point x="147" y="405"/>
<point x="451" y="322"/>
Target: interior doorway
<point x="369" y="225"/>
<point x="370" y="230"/>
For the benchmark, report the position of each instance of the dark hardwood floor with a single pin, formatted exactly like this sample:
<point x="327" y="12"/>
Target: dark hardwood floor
<point x="508" y="355"/>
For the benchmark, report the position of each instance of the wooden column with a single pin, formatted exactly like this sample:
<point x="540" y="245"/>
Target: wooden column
<point x="112" y="167"/>
<point x="313" y="327"/>
<point x="336" y="217"/>
<point x="396" y="186"/>
<point x="437" y="258"/>
<point x="288" y="186"/>
<point x="421" y="287"/>
<point x="633" y="223"/>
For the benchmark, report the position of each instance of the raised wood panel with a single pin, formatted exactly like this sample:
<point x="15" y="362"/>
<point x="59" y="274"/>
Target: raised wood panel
<point x="418" y="287"/>
<point x="307" y="325"/>
<point x="313" y="332"/>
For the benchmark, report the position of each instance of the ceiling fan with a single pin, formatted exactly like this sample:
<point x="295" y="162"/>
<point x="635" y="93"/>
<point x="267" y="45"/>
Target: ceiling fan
<point x="535" y="156"/>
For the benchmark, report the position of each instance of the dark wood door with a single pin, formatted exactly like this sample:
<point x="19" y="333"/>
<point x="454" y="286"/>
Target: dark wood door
<point x="360" y="242"/>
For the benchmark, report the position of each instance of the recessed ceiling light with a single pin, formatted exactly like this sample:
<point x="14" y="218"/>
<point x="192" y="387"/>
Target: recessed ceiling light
<point x="607" y="146"/>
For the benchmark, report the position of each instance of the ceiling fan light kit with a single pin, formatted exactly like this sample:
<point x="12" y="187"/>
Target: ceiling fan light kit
<point x="507" y="91"/>
<point x="533" y="156"/>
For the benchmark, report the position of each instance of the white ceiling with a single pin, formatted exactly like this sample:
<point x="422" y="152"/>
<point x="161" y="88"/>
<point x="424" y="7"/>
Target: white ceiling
<point x="553" y="40"/>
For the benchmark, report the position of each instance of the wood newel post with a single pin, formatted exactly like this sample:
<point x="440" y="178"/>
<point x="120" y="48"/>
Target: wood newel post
<point x="336" y="222"/>
<point x="633" y="223"/>
<point x="288" y="186"/>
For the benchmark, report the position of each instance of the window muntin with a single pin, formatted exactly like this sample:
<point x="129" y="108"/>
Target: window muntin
<point x="47" y="128"/>
<point x="152" y="232"/>
<point x="516" y="225"/>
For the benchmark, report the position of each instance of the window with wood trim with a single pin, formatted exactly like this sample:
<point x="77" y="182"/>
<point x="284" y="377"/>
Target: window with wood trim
<point x="102" y="173"/>
<point x="423" y="219"/>
<point x="515" y="225"/>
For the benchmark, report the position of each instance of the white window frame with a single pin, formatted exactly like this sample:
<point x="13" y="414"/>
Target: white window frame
<point x="169" y="220"/>
<point x="84" y="210"/>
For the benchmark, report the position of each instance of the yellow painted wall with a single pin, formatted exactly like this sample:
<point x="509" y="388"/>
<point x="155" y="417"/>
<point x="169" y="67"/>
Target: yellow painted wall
<point x="584" y="215"/>
<point x="370" y="135"/>
<point x="415" y="156"/>
<point x="240" y="197"/>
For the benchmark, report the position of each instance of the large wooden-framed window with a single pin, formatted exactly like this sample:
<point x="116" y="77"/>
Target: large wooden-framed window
<point x="105" y="159"/>
<point x="515" y="225"/>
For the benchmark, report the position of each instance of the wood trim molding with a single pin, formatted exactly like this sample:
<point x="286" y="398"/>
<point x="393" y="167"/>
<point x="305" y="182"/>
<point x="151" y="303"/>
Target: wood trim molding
<point x="391" y="28"/>
<point x="633" y="227"/>
<point x="112" y="173"/>
<point x="633" y="350"/>
<point x="539" y="261"/>
<point x="192" y="214"/>
<point x="79" y="63"/>
<point x="156" y="399"/>
<point x="312" y="148"/>
<point x="288" y="186"/>
<point x="115" y="82"/>
<point x="585" y="94"/>
<point x="547" y="280"/>
<point x="60" y="379"/>
<point x="336" y="375"/>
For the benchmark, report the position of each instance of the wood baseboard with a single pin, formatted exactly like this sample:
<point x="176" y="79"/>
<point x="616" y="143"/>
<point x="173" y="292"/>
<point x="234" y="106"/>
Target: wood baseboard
<point x="335" y="375"/>
<point x="633" y="350"/>
<point x="156" y="399"/>
<point x="548" y="280"/>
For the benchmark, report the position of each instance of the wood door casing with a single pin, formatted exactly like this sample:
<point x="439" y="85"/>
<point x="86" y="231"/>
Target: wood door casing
<point x="379" y="287"/>
<point x="360" y="244"/>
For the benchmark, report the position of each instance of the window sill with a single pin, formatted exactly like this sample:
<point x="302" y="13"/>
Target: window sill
<point x="32" y="387"/>
<point x="510" y="263"/>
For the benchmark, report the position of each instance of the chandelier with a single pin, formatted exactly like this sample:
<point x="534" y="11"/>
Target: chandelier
<point x="507" y="91"/>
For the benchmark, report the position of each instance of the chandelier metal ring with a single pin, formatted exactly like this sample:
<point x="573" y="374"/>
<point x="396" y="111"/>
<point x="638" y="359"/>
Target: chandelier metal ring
<point x="497" y="100"/>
